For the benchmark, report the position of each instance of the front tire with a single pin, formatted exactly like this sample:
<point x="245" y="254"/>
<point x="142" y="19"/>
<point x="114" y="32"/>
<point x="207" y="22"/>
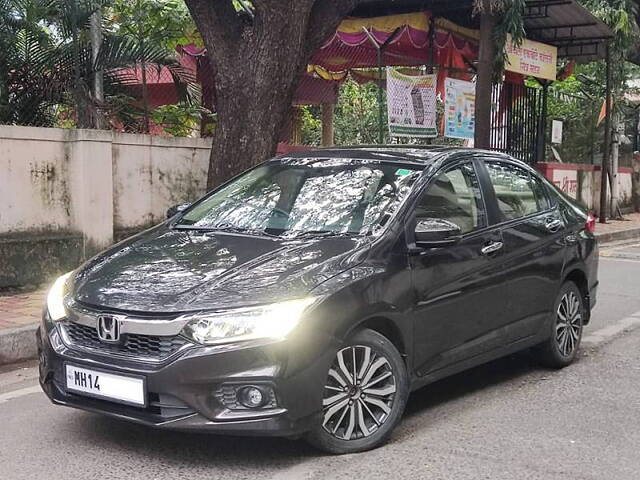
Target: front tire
<point x="561" y="349"/>
<point x="365" y="395"/>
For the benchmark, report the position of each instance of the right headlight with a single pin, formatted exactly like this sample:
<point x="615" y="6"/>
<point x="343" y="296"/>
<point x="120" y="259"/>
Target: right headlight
<point x="55" y="298"/>
<point x="274" y="321"/>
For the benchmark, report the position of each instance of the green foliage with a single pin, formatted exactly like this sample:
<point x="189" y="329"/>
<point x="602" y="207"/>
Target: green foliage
<point x="181" y="120"/>
<point x="356" y="116"/>
<point x="311" y="125"/>
<point x="46" y="63"/>
<point x="577" y="104"/>
<point x="164" y="23"/>
<point x="511" y="23"/>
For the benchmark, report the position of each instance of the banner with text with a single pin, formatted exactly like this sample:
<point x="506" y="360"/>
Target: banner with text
<point x="411" y="104"/>
<point x="532" y="59"/>
<point x="459" y="109"/>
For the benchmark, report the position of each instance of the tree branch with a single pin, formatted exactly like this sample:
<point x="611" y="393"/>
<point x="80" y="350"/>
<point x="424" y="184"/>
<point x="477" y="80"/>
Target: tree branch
<point x="218" y="22"/>
<point x="325" y="17"/>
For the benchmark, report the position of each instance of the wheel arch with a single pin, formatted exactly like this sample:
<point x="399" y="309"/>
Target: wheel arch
<point x="389" y="329"/>
<point x="579" y="277"/>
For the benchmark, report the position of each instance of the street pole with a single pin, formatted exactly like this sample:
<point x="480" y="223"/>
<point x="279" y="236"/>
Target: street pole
<point x="380" y="52"/>
<point x="98" y="80"/>
<point x="604" y="171"/>
<point x="542" y="123"/>
<point x="615" y="157"/>
<point x="380" y="99"/>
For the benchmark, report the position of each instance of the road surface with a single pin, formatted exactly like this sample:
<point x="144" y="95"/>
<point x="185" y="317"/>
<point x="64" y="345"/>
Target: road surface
<point x="509" y="419"/>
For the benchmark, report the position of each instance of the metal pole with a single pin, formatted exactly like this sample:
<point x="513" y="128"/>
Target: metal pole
<point x="380" y="51"/>
<point x="637" y="129"/>
<point x="542" y="124"/>
<point x="607" y="141"/>
<point x="380" y="100"/>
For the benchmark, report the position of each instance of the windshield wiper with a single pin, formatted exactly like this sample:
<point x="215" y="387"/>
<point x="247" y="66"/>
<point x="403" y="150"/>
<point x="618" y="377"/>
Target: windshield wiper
<point x="225" y="229"/>
<point x="322" y="234"/>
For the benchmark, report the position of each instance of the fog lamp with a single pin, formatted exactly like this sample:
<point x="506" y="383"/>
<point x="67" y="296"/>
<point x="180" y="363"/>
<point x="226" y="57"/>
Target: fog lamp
<point x="251" y="397"/>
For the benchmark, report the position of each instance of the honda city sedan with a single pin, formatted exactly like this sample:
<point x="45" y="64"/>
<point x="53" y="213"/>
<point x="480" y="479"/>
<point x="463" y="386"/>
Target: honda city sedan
<point x="310" y="295"/>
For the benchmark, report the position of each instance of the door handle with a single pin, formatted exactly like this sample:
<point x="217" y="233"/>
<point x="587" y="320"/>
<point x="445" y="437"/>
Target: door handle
<point x="571" y="239"/>
<point x="491" y="248"/>
<point x="553" y="225"/>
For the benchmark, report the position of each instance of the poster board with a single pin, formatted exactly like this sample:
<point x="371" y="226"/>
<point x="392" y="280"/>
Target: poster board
<point x="411" y="105"/>
<point x="459" y="109"/>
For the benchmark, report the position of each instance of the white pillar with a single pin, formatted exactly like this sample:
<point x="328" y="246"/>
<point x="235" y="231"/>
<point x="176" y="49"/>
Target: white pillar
<point x="91" y="187"/>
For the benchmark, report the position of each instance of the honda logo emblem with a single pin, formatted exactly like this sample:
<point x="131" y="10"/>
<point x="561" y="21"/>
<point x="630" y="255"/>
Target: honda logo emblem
<point x="108" y="329"/>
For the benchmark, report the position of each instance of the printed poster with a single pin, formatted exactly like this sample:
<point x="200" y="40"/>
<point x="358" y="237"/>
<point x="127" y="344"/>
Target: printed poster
<point x="411" y="105"/>
<point x="459" y="109"/>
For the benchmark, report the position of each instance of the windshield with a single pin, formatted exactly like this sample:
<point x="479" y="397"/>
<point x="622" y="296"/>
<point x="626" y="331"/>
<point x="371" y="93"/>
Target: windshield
<point x="312" y="196"/>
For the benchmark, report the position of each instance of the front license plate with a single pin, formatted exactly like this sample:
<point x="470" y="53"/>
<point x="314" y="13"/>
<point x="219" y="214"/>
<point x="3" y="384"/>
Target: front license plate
<point x="108" y="386"/>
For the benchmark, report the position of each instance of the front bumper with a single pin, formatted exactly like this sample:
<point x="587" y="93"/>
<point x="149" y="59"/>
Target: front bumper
<point x="185" y="392"/>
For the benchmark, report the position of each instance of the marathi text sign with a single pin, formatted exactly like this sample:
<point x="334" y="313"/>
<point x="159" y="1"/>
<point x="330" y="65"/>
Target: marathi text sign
<point x="459" y="109"/>
<point x="532" y="58"/>
<point x="411" y="104"/>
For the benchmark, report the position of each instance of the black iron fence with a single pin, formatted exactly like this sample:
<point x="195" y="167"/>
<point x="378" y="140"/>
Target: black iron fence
<point x="516" y="120"/>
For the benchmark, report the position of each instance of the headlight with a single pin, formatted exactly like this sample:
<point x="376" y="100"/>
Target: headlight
<point x="270" y="321"/>
<point x="55" y="298"/>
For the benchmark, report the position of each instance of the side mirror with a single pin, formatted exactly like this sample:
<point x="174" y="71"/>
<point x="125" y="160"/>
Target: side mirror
<point x="172" y="211"/>
<point x="436" y="232"/>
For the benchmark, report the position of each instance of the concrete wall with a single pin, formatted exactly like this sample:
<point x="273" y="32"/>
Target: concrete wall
<point x="82" y="188"/>
<point x="582" y="182"/>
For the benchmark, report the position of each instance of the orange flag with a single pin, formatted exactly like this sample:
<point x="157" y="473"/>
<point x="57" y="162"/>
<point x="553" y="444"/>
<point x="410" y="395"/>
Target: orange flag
<point x="603" y="110"/>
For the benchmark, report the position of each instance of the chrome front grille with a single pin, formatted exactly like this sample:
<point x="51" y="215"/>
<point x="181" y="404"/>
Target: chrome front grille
<point x="143" y="347"/>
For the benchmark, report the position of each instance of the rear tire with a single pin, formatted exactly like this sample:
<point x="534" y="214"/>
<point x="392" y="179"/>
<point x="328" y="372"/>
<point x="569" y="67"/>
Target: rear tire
<point x="365" y="395"/>
<point x="561" y="349"/>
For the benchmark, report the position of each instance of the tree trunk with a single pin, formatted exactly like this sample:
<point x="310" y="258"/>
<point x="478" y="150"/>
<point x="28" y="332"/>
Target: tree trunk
<point x="615" y="154"/>
<point x="484" y="82"/>
<point x="257" y="63"/>
<point x="250" y="111"/>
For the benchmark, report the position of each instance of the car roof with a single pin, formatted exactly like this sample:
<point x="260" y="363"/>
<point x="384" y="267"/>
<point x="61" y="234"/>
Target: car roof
<point x="415" y="154"/>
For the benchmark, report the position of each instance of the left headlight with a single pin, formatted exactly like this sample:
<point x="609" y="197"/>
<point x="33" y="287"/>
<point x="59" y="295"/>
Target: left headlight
<point x="55" y="298"/>
<point x="273" y="321"/>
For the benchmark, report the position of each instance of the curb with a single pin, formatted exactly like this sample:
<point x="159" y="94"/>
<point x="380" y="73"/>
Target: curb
<point x="18" y="344"/>
<point x="610" y="332"/>
<point x="631" y="234"/>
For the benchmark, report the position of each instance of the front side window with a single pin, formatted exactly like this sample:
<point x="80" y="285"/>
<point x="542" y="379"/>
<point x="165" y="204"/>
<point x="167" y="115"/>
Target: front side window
<point x="517" y="192"/>
<point x="454" y="196"/>
<point x="299" y="196"/>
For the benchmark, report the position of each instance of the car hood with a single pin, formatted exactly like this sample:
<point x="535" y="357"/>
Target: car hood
<point x="165" y="270"/>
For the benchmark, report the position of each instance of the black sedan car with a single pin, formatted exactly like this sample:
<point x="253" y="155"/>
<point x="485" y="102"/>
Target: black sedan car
<point x="310" y="295"/>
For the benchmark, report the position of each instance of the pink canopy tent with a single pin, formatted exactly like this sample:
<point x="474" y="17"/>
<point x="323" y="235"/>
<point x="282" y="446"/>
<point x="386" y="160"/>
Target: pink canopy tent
<point x="409" y="38"/>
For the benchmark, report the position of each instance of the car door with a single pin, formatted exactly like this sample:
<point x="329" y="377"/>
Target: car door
<point x="533" y="255"/>
<point x="459" y="288"/>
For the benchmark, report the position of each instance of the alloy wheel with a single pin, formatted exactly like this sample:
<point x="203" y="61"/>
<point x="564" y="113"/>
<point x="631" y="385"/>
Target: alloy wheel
<point x="359" y="393"/>
<point x="568" y="324"/>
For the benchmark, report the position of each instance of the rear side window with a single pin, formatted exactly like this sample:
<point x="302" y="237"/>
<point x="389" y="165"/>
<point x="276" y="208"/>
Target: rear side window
<point x="541" y="193"/>
<point x="518" y="193"/>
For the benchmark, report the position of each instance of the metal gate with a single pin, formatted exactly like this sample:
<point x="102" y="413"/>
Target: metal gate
<point x="515" y="120"/>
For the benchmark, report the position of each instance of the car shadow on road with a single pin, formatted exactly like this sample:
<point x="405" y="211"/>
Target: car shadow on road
<point x="493" y="374"/>
<point x="258" y="452"/>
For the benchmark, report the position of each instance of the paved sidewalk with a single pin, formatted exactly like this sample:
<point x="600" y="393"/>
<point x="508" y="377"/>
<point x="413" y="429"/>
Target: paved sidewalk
<point x="20" y="313"/>
<point x="21" y="309"/>
<point x="615" y="230"/>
